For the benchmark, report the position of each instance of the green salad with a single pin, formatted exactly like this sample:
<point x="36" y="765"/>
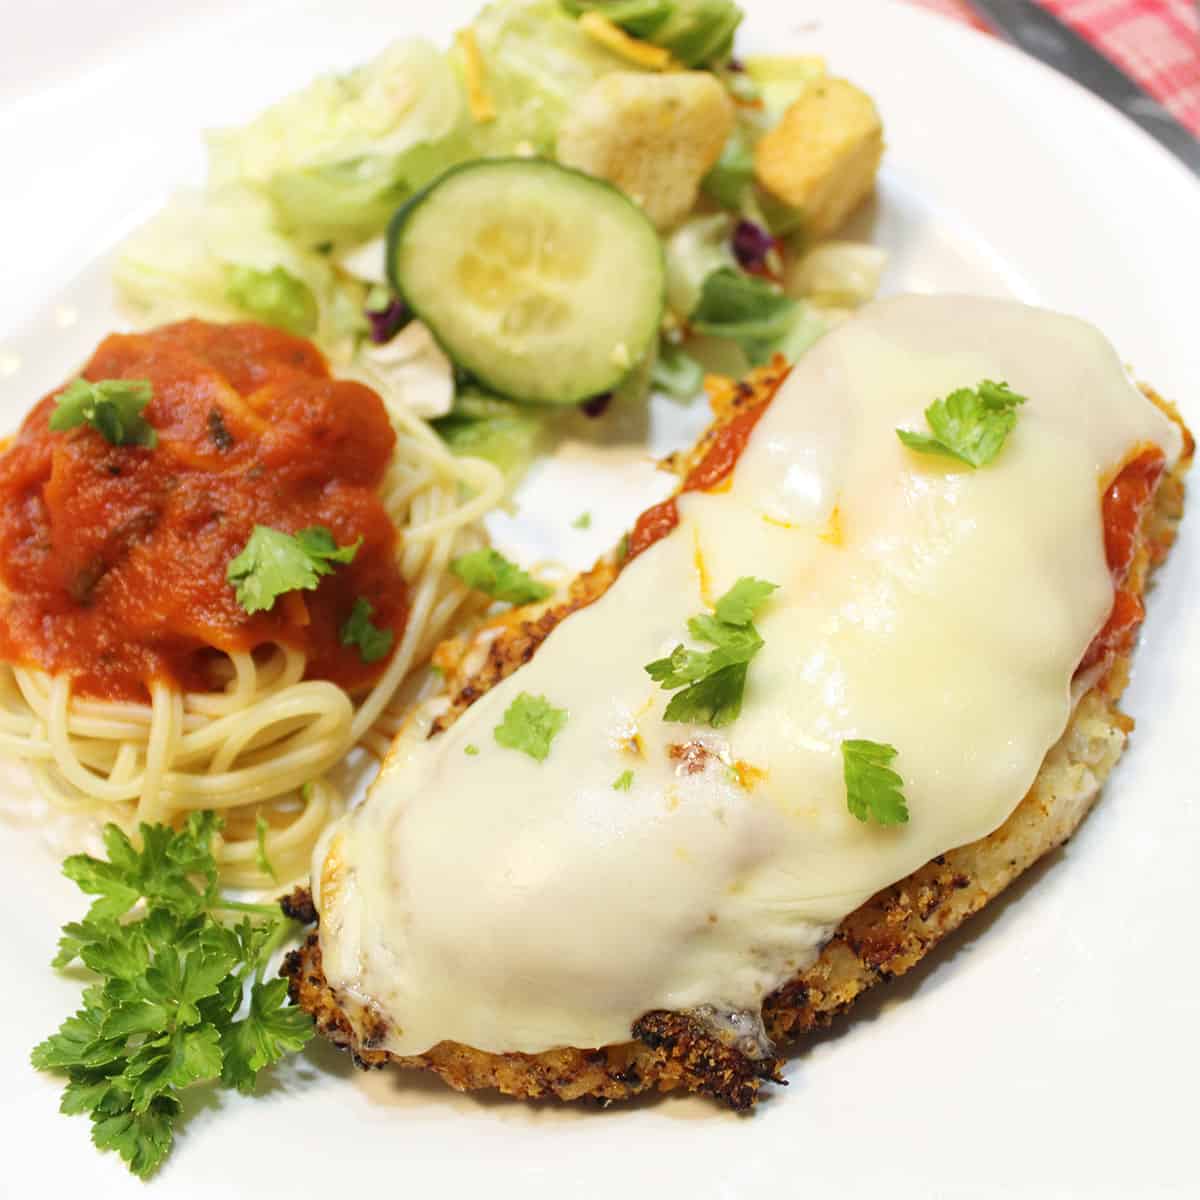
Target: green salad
<point x="574" y="199"/>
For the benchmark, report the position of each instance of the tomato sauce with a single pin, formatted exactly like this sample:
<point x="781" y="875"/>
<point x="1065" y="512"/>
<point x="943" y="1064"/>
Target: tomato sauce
<point x="1123" y="504"/>
<point x="1122" y="512"/>
<point x="113" y="559"/>
<point x="714" y="468"/>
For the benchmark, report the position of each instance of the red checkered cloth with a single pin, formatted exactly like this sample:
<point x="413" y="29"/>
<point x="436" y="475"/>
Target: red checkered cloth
<point x="1155" y="41"/>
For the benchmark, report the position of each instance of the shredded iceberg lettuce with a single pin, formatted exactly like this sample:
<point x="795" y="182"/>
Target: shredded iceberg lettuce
<point x="410" y="370"/>
<point x="728" y="181"/>
<point x="757" y="316"/>
<point x="408" y="96"/>
<point x="698" y="33"/>
<point x="838" y="274"/>
<point x="218" y="255"/>
<point x="538" y="63"/>
<point x="699" y="247"/>
<point x="485" y="426"/>
<point x="275" y="297"/>
<point x="780" y="79"/>
<point x="346" y="202"/>
<point x="338" y="157"/>
<point x="676" y="372"/>
<point x="289" y="228"/>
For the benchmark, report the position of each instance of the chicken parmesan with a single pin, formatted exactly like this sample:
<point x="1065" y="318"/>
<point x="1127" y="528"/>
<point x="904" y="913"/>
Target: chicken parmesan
<point x="894" y="600"/>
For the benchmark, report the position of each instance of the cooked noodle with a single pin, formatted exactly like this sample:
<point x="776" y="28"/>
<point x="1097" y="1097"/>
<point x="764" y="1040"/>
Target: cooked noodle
<point x="263" y="744"/>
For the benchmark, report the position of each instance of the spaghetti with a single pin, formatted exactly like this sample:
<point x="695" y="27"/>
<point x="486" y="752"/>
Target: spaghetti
<point x="146" y="692"/>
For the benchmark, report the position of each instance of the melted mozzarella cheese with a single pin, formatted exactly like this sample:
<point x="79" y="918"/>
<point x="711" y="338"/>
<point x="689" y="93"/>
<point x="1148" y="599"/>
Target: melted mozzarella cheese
<point x="516" y="906"/>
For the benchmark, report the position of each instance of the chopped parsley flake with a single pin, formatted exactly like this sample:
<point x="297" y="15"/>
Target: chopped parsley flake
<point x="530" y="725"/>
<point x="623" y="782"/>
<point x="274" y="562"/>
<point x="373" y="643"/>
<point x="113" y="407"/>
<point x="583" y="521"/>
<point x="969" y="425"/>
<point x="743" y="600"/>
<point x="471" y="749"/>
<point x="488" y="571"/>
<point x="872" y="787"/>
<point x="714" y="681"/>
<point x="261" y="829"/>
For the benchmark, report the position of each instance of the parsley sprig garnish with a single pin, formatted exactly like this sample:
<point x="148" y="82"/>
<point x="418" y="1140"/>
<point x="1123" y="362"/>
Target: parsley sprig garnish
<point x="970" y="425"/>
<point x="172" y="979"/>
<point x="872" y="787"/>
<point x="714" y="681"/>
<point x="274" y="562"/>
<point x="113" y="407"/>
<point x="488" y="571"/>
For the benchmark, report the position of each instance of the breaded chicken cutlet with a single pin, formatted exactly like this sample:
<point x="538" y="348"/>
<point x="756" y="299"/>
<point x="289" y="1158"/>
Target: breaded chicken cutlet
<point x="884" y="937"/>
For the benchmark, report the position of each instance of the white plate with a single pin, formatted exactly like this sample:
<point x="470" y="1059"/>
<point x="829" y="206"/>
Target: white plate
<point x="1052" y="1048"/>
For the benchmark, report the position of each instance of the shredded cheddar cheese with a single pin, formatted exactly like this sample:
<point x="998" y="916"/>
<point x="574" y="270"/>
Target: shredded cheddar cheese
<point x="832" y="533"/>
<point x="479" y="99"/>
<point x="702" y="573"/>
<point x="612" y="37"/>
<point x="770" y="520"/>
<point x="748" y="775"/>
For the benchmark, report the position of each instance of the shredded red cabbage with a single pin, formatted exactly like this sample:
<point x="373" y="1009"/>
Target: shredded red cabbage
<point x="387" y="322"/>
<point x="751" y="245"/>
<point x="597" y="406"/>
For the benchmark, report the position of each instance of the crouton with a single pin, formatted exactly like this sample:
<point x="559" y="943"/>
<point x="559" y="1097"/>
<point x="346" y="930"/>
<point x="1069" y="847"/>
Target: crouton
<point x="653" y="136"/>
<point x="822" y="157"/>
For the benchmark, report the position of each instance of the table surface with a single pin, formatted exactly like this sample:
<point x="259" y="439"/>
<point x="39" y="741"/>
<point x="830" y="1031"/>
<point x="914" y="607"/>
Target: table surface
<point x="1157" y="42"/>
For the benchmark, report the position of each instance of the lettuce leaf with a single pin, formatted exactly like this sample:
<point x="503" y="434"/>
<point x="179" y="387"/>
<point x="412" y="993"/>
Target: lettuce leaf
<point x="352" y="201"/>
<point x="698" y="248"/>
<point x="761" y="320"/>
<point x="408" y="96"/>
<point x="410" y="371"/>
<point x="639" y="18"/>
<point x="745" y="309"/>
<point x="481" y="425"/>
<point x="776" y="81"/>
<point x="697" y="32"/>
<point x="838" y="273"/>
<point x="275" y="297"/>
<point x="218" y="255"/>
<point x="539" y="62"/>
<point x="339" y="156"/>
<point x="727" y="182"/>
<point x="806" y="326"/>
<point x="677" y="373"/>
<point x="781" y="78"/>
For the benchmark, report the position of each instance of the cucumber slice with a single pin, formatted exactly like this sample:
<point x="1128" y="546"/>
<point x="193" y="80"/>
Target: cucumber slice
<point x="544" y="283"/>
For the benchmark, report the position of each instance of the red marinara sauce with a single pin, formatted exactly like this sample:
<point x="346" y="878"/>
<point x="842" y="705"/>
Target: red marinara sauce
<point x="1123" y="505"/>
<point x="113" y="559"/>
<point x="718" y="462"/>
